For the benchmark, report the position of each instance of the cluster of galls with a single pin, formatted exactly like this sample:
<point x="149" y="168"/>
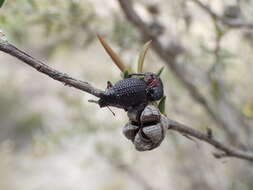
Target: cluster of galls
<point x="147" y="131"/>
<point x="146" y="128"/>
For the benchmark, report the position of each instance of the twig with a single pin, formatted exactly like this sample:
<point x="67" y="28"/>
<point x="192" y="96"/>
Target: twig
<point x="233" y="23"/>
<point x="43" y="68"/>
<point x="207" y="9"/>
<point x="214" y="76"/>
<point x="227" y="151"/>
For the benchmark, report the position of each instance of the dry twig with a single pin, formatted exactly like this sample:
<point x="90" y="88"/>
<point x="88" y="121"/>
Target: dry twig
<point x="226" y="150"/>
<point x="43" y="68"/>
<point x="233" y="23"/>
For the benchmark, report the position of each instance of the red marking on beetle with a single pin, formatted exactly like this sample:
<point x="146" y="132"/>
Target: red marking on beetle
<point x="109" y="85"/>
<point x="153" y="82"/>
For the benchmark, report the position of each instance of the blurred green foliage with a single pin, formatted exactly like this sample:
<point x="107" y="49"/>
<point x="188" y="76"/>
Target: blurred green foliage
<point x="9" y="101"/>
<point x="1" y="3"/>
<point x="30" y="123"/>
<point x="123" y="33"/>
<point x="242" y="186"/>
<point x="14" y="124"/>
<point x="65" y="21"/>
<point x="247" y="110"/>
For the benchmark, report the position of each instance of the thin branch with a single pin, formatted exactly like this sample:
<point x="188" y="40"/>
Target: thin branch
<point x="215" y="77"/>
<point x="207" y="9"/>
<point x="233" y="23"/>
<point x="226" y="150"/>
<point x="45" y="69"/>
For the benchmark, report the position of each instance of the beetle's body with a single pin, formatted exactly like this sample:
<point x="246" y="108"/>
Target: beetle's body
<point x="133" y="92"/>
<point x="126" y="93"/>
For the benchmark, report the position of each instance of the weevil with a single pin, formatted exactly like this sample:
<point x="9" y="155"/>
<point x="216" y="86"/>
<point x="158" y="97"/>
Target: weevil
<point x="136" y="90"/>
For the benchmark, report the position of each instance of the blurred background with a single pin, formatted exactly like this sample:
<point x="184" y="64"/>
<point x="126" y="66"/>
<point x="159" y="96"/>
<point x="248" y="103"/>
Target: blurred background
<point x="52" y="138"/>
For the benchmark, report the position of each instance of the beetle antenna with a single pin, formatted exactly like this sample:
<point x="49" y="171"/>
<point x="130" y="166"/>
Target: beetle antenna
<point x="96" y="102"/>
<point x="137" y="74"/>
<point x="110" y="110"/>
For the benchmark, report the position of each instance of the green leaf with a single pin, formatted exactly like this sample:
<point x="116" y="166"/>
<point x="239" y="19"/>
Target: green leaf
<point x="125" y="74"/>
<point x="161" y="105"/>
<point x="1" y="3"/>
<point x="160" y="72"/>
<point x="142" y="56"/>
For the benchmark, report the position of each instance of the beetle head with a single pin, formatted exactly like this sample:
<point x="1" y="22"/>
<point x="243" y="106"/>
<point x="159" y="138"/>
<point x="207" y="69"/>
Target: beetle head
<point x="155" y="86"/>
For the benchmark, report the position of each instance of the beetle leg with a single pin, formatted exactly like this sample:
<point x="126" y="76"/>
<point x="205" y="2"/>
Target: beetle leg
<point x="109" y="85"/>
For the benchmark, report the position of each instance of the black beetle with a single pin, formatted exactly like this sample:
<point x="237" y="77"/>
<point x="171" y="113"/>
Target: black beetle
<point x="132" y="92"/>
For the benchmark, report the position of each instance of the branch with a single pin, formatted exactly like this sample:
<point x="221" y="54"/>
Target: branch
<point x="223" y="102"/>
<point x="10" y="49"/>
<point x="233" y="23"/>
<point x="227" y="151"/>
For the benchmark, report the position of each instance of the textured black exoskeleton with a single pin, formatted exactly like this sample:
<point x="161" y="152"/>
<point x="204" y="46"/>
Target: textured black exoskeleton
<point x="132" y="92"/>
<point x="155" y="86"/>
